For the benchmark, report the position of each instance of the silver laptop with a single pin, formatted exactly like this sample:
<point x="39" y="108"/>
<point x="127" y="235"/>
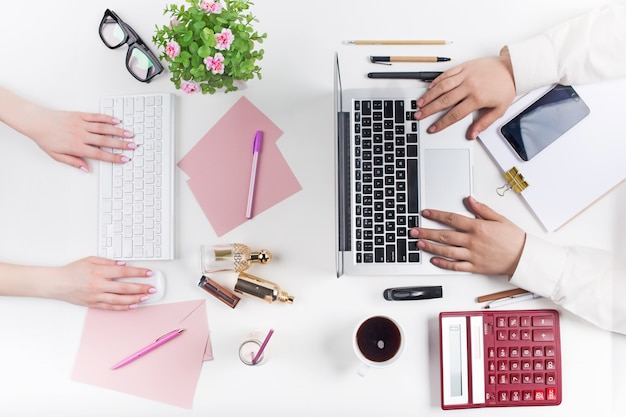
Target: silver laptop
<point x="387" y="170"/>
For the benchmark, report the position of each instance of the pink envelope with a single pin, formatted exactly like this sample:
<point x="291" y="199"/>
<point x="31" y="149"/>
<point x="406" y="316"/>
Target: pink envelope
<point x="169" y="373"/>
<point x="219" y="167"/>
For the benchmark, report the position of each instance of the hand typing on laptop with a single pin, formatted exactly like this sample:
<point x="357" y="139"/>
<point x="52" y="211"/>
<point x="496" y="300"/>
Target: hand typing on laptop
<point x="489" y="244"/>
<point x="68" y="137"/>
<point x="484" y="83"/>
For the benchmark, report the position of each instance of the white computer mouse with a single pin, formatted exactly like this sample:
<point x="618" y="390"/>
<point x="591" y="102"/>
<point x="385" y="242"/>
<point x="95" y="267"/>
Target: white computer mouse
<point x="157" y="280"/>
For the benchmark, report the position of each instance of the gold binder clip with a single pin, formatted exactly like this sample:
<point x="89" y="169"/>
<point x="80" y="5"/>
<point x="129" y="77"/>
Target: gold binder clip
<point x="514" y="181"/>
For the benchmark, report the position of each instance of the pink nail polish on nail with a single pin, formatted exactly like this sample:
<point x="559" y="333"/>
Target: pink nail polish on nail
<point x="128" y="134"/>
<point x="144" y="298"/>
<point x="132" y="306"/>
<point x="84" y="169"/>
<point x="152" y="290"/>
<point x="149" y="273"/>
<point x="121" y="263"/>
<point x="116" y="121"/>
<point x="125" y="159"/>
<point x="131" y="145"/>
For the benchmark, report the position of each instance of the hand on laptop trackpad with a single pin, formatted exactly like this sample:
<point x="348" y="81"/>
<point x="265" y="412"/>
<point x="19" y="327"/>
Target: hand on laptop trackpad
<point x="447" y="179"/>
<point x="157" y="280"/>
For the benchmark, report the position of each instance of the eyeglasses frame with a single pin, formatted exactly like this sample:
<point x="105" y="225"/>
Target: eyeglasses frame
<point x="133" y="40"/>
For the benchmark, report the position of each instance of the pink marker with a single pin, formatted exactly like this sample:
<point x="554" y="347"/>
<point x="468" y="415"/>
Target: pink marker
<point x="256" y="148"/>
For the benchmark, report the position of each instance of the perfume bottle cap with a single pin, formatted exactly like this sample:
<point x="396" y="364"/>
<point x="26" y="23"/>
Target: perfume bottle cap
<point x="263" y="256"/>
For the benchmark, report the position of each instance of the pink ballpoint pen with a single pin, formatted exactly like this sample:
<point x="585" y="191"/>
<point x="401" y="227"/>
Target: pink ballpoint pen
<point x="256" y="148"/>
<point x="160" y="341"/>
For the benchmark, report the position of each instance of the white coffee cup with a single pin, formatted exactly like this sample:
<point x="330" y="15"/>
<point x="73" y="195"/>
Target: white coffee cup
<point x="378" y="342"/>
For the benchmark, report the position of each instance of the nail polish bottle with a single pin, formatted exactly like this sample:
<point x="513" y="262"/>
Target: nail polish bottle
<point x="260" y="288"/>
<point x="230" y="257"/>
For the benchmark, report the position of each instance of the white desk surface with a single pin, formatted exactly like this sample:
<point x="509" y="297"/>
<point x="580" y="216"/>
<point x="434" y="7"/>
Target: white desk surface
<point x="52" y="54"/>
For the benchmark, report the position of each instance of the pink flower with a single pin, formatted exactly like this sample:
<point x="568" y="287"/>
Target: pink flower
<point x="211" y="6"/>
<point x="224" y="39"/>
<point x="189" y="87"/>
<point x="215" y="64"/>
<point x="172" y="49"/>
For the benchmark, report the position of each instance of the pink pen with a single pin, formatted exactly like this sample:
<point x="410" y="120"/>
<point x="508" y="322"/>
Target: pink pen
<point x="256" y="148"/>
<point x="160" y="341"/>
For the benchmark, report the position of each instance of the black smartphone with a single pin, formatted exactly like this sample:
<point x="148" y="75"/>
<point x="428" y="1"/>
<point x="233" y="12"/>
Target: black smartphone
<point x="544" y="121"/>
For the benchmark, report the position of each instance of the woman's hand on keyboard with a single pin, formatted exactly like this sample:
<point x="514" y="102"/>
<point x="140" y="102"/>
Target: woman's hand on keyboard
<point x="482" y="84"/>
<point x="71" y="137"/>
<point x="91" y="282"/>
<point x="488" y="244"/>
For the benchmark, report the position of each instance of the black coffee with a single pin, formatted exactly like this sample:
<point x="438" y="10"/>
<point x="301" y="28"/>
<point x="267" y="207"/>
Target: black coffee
<point x="379" y="339"/>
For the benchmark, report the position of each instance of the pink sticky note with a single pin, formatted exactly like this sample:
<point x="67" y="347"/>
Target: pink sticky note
<point x="219" y="167"/>
<point x="169" y="373"/>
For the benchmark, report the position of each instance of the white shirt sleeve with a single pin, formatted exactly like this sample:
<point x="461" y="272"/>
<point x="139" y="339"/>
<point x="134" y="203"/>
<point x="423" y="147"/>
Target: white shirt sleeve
<point x="586" y="49"/>
<point x="588" y="282"/>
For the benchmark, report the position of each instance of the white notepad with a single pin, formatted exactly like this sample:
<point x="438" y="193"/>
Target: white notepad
<point x="579" y="167"/>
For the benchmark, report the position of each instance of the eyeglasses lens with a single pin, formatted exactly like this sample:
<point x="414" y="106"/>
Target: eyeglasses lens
<point x="140" y="64"/>
<point x="112" y="34"/>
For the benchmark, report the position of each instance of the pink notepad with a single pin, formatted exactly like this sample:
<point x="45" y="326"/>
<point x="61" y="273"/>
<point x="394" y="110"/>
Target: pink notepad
<point x="169" y="373"/>
<point x="219" y="168"/>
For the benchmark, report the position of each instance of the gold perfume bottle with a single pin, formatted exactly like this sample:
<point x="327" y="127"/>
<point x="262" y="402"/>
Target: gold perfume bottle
<point x="261" y="288"/>
<point x="230" y="257"/>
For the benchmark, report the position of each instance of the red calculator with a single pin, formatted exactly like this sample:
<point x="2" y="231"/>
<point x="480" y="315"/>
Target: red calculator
<point x="500" y="358"/>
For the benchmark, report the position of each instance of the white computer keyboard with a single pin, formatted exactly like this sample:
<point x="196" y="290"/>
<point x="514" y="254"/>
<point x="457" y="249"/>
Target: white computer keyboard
<point x="136" y="209"/>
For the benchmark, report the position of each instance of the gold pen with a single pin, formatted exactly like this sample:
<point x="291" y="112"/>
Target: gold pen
<point x="398" y="42"/>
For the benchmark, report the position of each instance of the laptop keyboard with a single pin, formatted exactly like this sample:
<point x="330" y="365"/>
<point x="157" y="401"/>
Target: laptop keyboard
<point x="136" y="216"/>
<point x="385" y="201"/>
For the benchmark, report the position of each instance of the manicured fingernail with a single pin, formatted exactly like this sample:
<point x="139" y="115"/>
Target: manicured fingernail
<point x="152" y="290"/>
<point x="116" y="121"/>
<point x="128" y="134"/>
<point x="132" y="306"/>
<point x="131" y="145"/>
<point x="84" y="169"/>
<point x="432" y="129"/>
<point x="149" y="273"/>
<point x="414" y="232"/>
<point x="417" y="115"/>
<point x="144" y="298"/>
<point x="125" y="159"/>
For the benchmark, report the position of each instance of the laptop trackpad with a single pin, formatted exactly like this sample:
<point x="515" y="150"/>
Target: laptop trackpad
<point x="447" y="179"/>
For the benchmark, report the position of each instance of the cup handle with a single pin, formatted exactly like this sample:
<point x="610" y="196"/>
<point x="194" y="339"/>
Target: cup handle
<point x="363" y="369"/>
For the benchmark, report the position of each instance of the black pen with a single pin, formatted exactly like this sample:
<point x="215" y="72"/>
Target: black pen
<point x="419" y="75"/>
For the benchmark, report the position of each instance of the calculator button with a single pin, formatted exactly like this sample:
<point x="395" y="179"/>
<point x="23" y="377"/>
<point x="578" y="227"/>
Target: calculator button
<point x="543" y="321"/>
<point x="550" y="379"/>
<point x="539" y="395"/>
<point x="550" y="351"/>
<point x="551" y="394"/>
<point x="513" y="322"/>
<point x="524" y="321"/>
<point x="516" y="396"/>
<point x="543" y="335"/>
<point x="527" y="379"/>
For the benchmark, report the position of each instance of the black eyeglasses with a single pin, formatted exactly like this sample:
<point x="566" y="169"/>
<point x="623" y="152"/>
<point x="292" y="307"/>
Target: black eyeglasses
<point x="140" y="61"/>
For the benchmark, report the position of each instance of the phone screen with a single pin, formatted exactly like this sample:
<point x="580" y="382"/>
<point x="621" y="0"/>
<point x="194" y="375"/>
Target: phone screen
<point x="544" y="121"/>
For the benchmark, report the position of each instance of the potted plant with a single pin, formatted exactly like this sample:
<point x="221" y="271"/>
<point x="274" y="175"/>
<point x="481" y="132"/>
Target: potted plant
<point x="209" y="45"/>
